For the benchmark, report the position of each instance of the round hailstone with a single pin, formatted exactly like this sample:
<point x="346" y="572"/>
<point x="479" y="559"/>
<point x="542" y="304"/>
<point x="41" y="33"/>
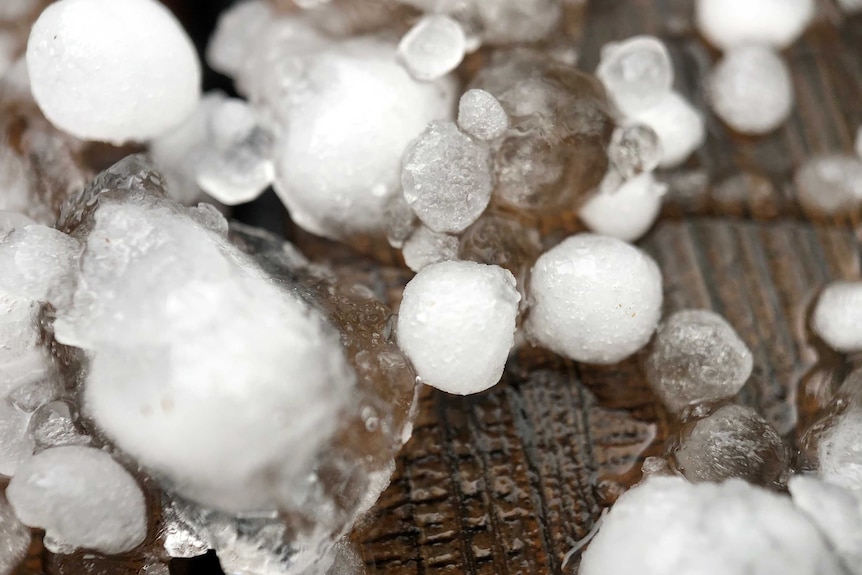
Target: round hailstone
<point x="667" y="525"/>
<point x="82" y="498"/>
<point x="751" y="90"/>
<point x="830" y="183"/>
<point x="637" y="73"/>
<point x="481" y="115"/>
<point x="837" y="317"/>
<point x="775" y="23"/>
<point x="627" y="212"/>
<point x="433" y="47"/>
<point x="679" y="126"/>
<point x="457" y="323"/>
<point x="595" y="299"/>
<point x="112" y="71"/>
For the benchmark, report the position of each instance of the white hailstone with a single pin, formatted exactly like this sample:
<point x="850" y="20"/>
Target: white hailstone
<point x="830" y="183"/>
<point x="837" y="316"/>
<point x="237" y="29"/>
<point x="457" y="323"/>
<point x="425" y="247"/>
<point x="433" y="47"/>
<point x="12" y="220"/>
<point x="16" y="446"/>
<point x="112" y="71"/>
<point x="637" y="73"/>
<point x="751" y="90"/>
<point x="775" y="23"/>
<point x="338" y="162"/>
<point x="36" y="261"/>
<point x="82" y="498"/>
<point x="594" y="299"/>
<point x="627" y="212"/>
<point x="14" y="540"/>
<point x="667" y="525"/>
<point x="679" y="126"/>
<point x="447" y="177"/>
<point x="839" y="452"/>
<point x="481" y="115"/>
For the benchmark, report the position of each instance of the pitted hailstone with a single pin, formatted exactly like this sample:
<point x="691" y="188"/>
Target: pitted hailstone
<point x="679" y="126"/>
<point x="594" y="299"/>
<point x="457" y="323"/>
<point x="837" y="316"/>
<point x="637" y="73"/>
<point x="112" y="71"/>
<point x="626" y="213"/>
<point x="730" y="23"/>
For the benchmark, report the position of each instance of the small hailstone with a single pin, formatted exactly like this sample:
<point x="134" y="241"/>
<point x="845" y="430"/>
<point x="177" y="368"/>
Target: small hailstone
<point x="14" y="540"/>
<point x="235" y="33"/>
<point x="637" y="73"/>
<point x="53" y="425"/>
<point x="679" y="126"/>
<point x="774" y="23"/>
<point x="751" y="90"/>
<point x="401" y="221"/>
<point x="426" y="247"/>
<point x="481" y="115"/>
<point x="830" y="183"/>
<point x="112" y="71"/>
<point x="627" y="212"/>
<point x="839" y="451"/>
<point x="634" y="149"/>
<point x="837" y="316"/>
<point x="447" y="178"/>
<point x="457" y="323"/>
<point x="433" y="47"/>
<point x="595" y="299"/>
<point x="82" y="498"/>
<point x="36" y="260"/>
<point x="34" y="394"/>
<point x="16" y="446"/>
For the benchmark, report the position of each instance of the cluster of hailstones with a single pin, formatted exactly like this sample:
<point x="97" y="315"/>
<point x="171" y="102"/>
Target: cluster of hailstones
<point x="358" y="136"/>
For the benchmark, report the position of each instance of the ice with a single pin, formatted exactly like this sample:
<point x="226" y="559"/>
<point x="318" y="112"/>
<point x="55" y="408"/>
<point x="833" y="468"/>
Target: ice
<point x="237" y="29"/>
<point x="733" y="441"/>
<point x="54" y="425"/>
<point x="36" y="262"/>
<point x="154" y="568"/>
<point x="503" y="241"/>
<point x="637" y="73"/>
<point x="830" y="183"/>
<point x="103" y="70"/>
<point x="457" y="323"/>
<point x="679" y="126"/>
<point x="21" y="359"/>
<point x="634" y="149"/>
<point x="401" y="221"/>
<point x="751" y="90"/>
<point x="774" y="23"/>
<point x="481" y="115"/>
<point x="426" y="247"/>
<point x="840" y="450"/>
<point x="627" y="212"/>
<point x="837" y="317"/>
<point x="594" y="299"/>
<point x="12" y="220"/>
<point x="447" y="178"/>
<point x="82" y="499"/>
<point x="697" y="357"/>
<point x="433" y="47"/>
<point x="180" y="539"/>
<point x="14" y="539"/>
<point x="34" y="394"/>
<point x="667" y="525"/>
<point x="15" y="443"/>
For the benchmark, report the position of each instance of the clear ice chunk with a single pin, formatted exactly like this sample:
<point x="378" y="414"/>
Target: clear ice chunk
<point x="837" y="317"/>
<point x="54" y="425"/>
<point x="37" y="261"/>
<point x="829" y="183"/>
<point x="433" y="47"/>
<point x="481" y="115"/>
<point x="634" y="149"/>
<point x="426" y="247"/>
<point x="637" y="73"/>
<point x="16" y="446"/>
<point x="14" y="539"/>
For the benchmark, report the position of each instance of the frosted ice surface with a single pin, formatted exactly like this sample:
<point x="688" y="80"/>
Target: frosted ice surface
<point x="731" y="23"/>
<point x="14" y="539"/>
<point x="830" y="183"/>
<point x="457" y="323"/>
<point x="667" y="525"/>
<point x="34" y="394"/>
<point x="481" y="115"/>
<point x="37" y="263"/>
<point x="433" y="47"/>
<point x="840" y="451"/>
<point x="53" y="425"/>
<point x="697" y="357"/>
<point x="637" y="73"/>
<point x="837" y="317"/>
<point x="634" y="149"/>
<point x="16" y="446"/>
<point x="626" y="212"/>
<point x="426" y="247"/>
<point x="679" y="126"/>
<point x="180" y="538"/>
<point x="594" y="299"/>
<point x="112" y="71"/>
<point x="235" y="33"/>
<point x="751" y="90"/>
<point x="447" y="178"/>
<point x="19" y="338"/>
<point x="81" y="498"/>
<point x="400" y="221"/>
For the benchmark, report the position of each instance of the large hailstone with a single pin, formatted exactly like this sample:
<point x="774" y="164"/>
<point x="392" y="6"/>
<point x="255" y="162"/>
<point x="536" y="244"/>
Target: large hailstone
<point x="595" y="299"/>
<point x="457" y="323"/>
<point x="774" y="23"/>
<point x="112" y="71"/>
<point x="837" y="316"/>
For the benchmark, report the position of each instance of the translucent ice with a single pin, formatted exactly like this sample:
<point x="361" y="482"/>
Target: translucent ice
<point x="731" y="23"/>
<point x="457" y="323"/>
<point x="503" y="241"/>
<point x="697" y="357"/>
<point x="595" y="299"/>
<point x="36" y="261"/>
<point x="433" y="47"/>
<point x="634" y="149"/>
<point x="637" y="73"/>
<point x="426" y="247"/>
<point x="16" y="446"/>
<point x="679" y="126"/>
<point x="82" y="499"/>
<point x="837" y="316"/>
<point x="447" y="178"/>
<point x="830" y="183"/>
<point x="14" y="539"/>
<point x="112" y="71"/>
<point x="840" y="450"/>
<point x="751" y="90"/>
<point x="22" y="360"/>
<point x="235" y="34"/>
<point x="626" y="212"/>
<point x="53" y="425"/>
<point x="481" y="115"/>
<point x="401" y="221"/>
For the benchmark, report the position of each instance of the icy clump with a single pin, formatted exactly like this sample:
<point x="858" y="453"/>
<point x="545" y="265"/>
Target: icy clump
<point x="697" y="357"/>
<point x="22" y="360"/>
<point x="237" y="29"/>
<point x="82" y="498"/>
<point x="457" y="323"/>
<point x="433" y="47"/>
<point x="447" y="178"/>
<point x="837" y="316"/>
<point x="751" y="90"/>
<point x="679" y="126"/>
<point x="112" y="71"/>
<point x="595" y="299"/>
<point x="830" y="183"/>
<point x="481" y="115"/>
<point x="634" y="149"/>
<point x="53" y="425"/>
<point x="626" y="212"/>
<point x="637" y="73"/>
<point x="840" y="451"/>
<point x="774" y="23"/>
<point x="16" y="446"/>
<point x="14" y="539"/>
<point x="426" y="247"/>
<point x="503" y="241"/>
<point x="37" y="261"/>
<point x="40" y="390"/>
